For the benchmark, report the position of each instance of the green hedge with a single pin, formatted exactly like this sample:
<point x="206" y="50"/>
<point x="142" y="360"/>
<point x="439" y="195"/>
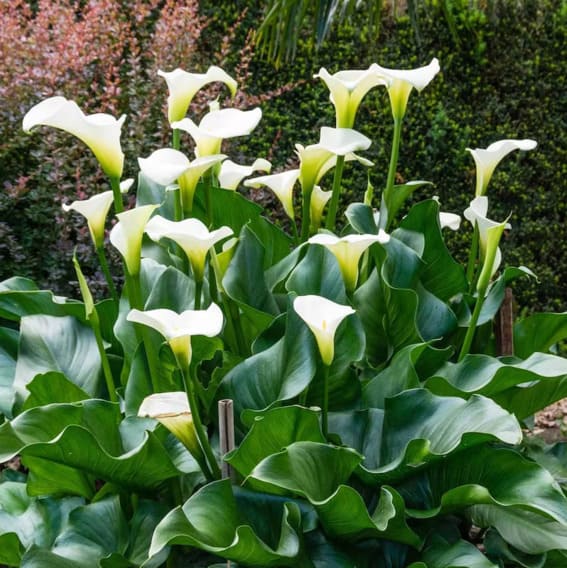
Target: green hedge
<point x="505" y="78"/>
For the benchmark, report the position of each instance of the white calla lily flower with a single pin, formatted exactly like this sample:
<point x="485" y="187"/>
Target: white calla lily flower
<point x="476" y="214"/>
<point x="127" y="235"/>
<point x="348" y="250"/>
<point x="217" y="126"/>
<point x="281" y="184"/>
<point x="323" y="317"/>
<point x="172" y="410"/>
<point x="166" y="165"/>
<point x="232" y="174"/>
<point x="94" y="210"/>
<point x="100" y="132"/>
<point x="348" y="88"/>
<point x="318" y="159"/>
<point x="449" y="220"/>
<point x="400" y="83"/>
<point x="487" y="159"/>
<point x="191" y="235"/>
<point x="319" y="199"/>
<point x="183" y="86"/>
<point x="178" y="329"/>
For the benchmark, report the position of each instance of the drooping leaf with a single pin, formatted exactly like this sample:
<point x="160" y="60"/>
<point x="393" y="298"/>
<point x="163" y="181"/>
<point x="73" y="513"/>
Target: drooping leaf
<point x="460" y="554"/>
<point x="197" y="524"/>
<point x="50" y="388"/>
<point x="361" y="218"/>
<point x="395" y="197"/>
<point x="8" y="353"/>
<point x="539" y="332"/>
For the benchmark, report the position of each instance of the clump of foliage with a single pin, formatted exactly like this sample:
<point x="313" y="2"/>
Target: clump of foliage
<point x="373" y="423"/>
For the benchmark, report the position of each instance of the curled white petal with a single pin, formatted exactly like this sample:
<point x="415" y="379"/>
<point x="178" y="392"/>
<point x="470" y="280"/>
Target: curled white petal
<point x="450" y="220"/>
<point x="281" y="184"/>
<point x="164" y="404"/>
<point x="232" y="174"/>
<point x="164" y="166"/>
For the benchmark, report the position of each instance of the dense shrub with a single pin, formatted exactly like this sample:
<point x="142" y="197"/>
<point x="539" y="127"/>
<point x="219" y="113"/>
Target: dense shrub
<point x="503" y="78"/>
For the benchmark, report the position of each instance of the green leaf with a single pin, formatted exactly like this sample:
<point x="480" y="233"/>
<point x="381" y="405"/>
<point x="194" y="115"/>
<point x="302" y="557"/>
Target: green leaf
<point x="460" y="554"/>
<point x="279" y="373"/>
<point x="344" y="516"/>
<point x="20" y="297"/>
<point x="496" y="547"/>
<point x="539" y="332"/>
<point x="197" y="524"/>
<point x="87" y="436"/>
<point x="52" y="387"/>
<point x="397" y="195"/>
<point x="9" y="339"/>
<point x="528" y="532"/>
<point x="361" y="218"/>
<point x="11" y="549"/>
<point x="148" y="192"/>
<point x="172" y="290"/>
<point x="318" y="273"/>
<point x="308" y="469"/>
<point x="63" y="344"/>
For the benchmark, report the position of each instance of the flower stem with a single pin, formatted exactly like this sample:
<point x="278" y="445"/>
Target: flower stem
<point x="108" y="378"/>
<point x="473" y="253"/>
<point x="198" y="293"/>
<point x="385" y="220"/>
<point x="306" y="213"/>
<point x="176" y="139"/>
<point x="472" y="325"/>
<point x="334" y="203"/>
<point x="117" y="194"/>
<point x="188" y="379"/>
<point x="177" y="205"/>
<point x="107" y="275"/>
<point x="325" y="402"/>
<point x="294" y="232"/>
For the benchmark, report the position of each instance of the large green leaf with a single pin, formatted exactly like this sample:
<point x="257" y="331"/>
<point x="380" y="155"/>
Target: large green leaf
<point x="497" y="548"/>
<point x="519" y="386"/>
<point x="50" y="388"/>
<point x="417" y="428"/>
<point x="361" y="218"/>
<point x="20" y="297"/>
<point x="9" y="339"/>
<point x="488" y="475"/>
<point x="307" y="469"/>
<point x="393" y="198"/>
<point x="213" y="520"/>
<point x="88" y="436"/>
<point x="539" y="332"/>
<point x="25" y="521"/>
<point x="63" y="344"/>
<point x="318" y="273"/>
<point x="273" y="431"/>
<point x="279" y="373"/>
<point x="528" y="532"/>
<point x="460" y="554"/>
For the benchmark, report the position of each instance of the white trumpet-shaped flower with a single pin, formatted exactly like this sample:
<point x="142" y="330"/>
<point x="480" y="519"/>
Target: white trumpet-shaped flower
<point x="232" y="174"/>
<point x="100" y="132"/>
<point x="178" y="329"/>
<point x="319" y="199"/>
<point x="400" y="82"/>
<point x="323" y="317"/>
<point x="348" y="88"/>
<point x="191" y="235"/>
<point x="183" y="86"/>
<point x="167" y="165"/>
<point x="348" y="250"/>
<point x="317" y="159"/>
<point x="281" y="184"/>
<point x="487" y="159"/>
<point x="128" y="233"/>
<point x="172" y="410"/>
<point x="476" y="214"/>
<point x="449" y="220"/>
<point x="218" y="125"/>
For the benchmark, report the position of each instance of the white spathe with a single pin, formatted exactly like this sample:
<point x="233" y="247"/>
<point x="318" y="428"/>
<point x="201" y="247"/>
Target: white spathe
<point x="232" y="174"/>
<point x="100" y="132"/>
<point x="319" y="199"/>
<point x="449" y="220"/>
<point x="323" y="317"/>
<point x="347" y="89"/>
<point x="400" y="83"/>
<point x="281" y="184"/>
<point x="348" y="250"/>
<point x="183" y="86"/>
<point x="178" y="329"/>
<point x="218" y="125"/>
<point x="191" y="235"/>
<point x="487" y="159"/>
<point x="127" y="234"/>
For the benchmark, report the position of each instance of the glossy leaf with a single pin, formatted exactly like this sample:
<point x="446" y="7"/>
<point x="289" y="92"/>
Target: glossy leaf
<point x="361" y="218"/>
<point x="539" y="332"/>
<point x="9" y="339"/>
<point x="460" y="554"/>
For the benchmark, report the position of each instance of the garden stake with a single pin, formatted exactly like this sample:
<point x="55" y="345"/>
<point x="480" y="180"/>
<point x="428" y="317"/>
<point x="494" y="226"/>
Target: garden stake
<point x="226" y="434"/>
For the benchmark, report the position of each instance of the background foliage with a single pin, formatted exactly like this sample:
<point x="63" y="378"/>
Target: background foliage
<point x="503" y="76"/>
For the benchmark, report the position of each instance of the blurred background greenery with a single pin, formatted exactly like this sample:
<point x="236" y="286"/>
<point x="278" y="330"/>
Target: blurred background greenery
<point x="503" y="75"/>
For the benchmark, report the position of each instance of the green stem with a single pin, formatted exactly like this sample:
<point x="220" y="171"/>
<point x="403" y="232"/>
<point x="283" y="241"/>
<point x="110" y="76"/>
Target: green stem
<point x="107" y="372"/>
<point x="198" y="294"/>
<point x="117" y="194"/>
<point x="177" y="205"/>
<point x="334" y="203"/>
<point x="107" y="275"/>
<point x="385" y="221"/>
<point x="473" y="254"/>
<point x="306" y="213"/>
<point x="176" y="139"/>
<point x="214" y="472"/>
<point x="325" y="403"/>
<point x="209" y="183"/>
<point x="294" y="232"/>
<point x="467" y="342"/>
